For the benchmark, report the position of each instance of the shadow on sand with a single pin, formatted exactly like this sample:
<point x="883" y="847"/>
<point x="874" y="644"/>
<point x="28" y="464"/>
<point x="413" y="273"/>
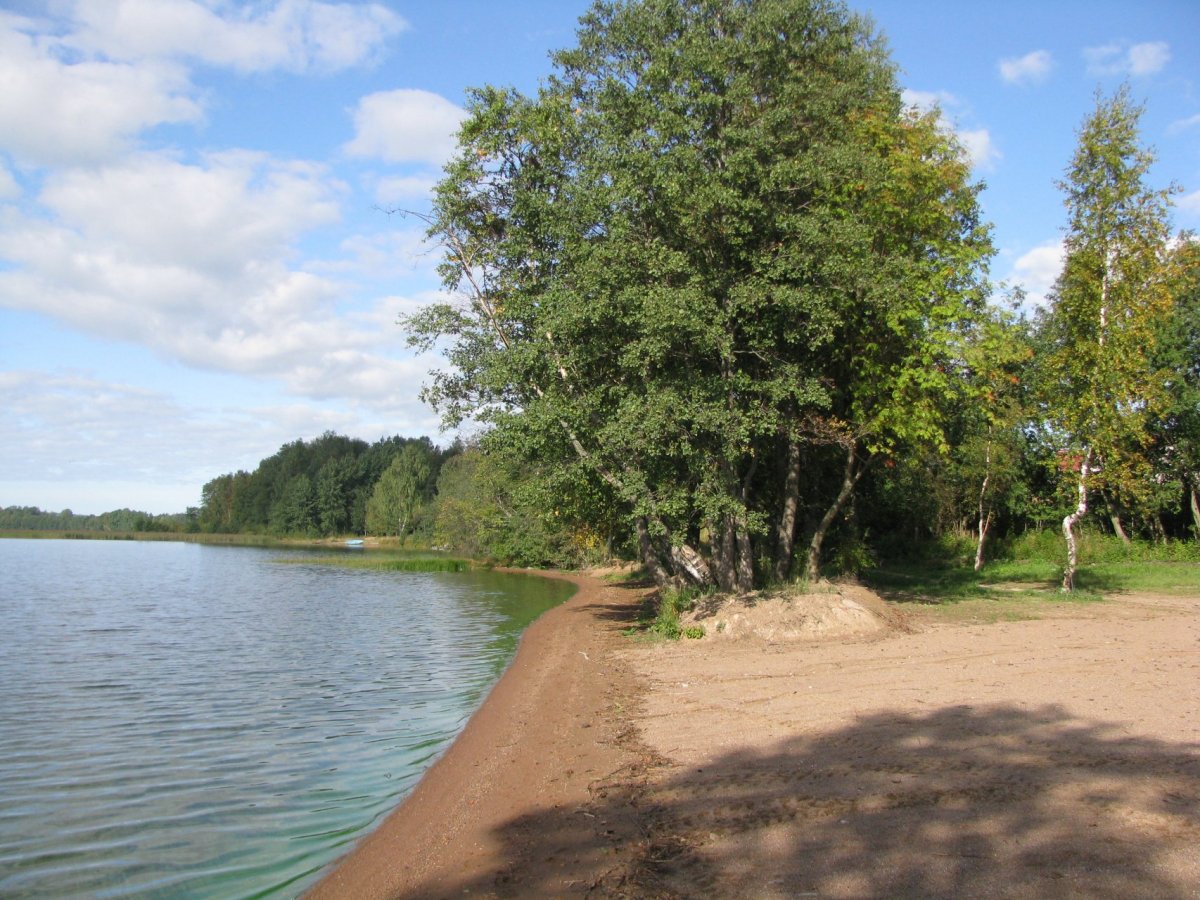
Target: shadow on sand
<point x="961" y="802"/>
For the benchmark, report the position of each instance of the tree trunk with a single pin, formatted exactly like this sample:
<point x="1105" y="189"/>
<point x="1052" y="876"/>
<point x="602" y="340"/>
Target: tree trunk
<point x="850" y="476"/>
<point x="1195" y="507"/>
<point x="1156" y="526"/>
<point x="723" y="555"/>
<point x="985" y="518"/>
<point x="650" y="558"/>
<point x="745" y="556"/>
<point x="741" y="533"/>
<point x="786" y="530"/>
<point x="1114" y="517"/>
<point x="984" y="524"/>
<point x="1069" y="522"/>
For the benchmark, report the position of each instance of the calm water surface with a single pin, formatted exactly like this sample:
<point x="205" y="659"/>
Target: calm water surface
<point x="179" y="720"/>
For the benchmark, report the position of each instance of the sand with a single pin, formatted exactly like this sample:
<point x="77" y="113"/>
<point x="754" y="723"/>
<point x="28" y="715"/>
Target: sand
<point x="1056" y="757"/>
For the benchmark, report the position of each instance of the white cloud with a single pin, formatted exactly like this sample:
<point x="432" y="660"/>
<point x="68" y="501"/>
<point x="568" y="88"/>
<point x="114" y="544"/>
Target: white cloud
<point x="74" y="440"/>
<point x="405" y="126"/>
<point x="1147" y="59"/>
<point x="1038" y="269"/>
<point x="1125" y="59"/>
<point x="80" y="112"/>
<point x="1189" y="203"/>
<point x="977" y="142"/>
<point x="1180" y="125"/>
<point x="980" y="148"/>
<point x="393" y="190"/>
<point x="9" y="189"/>
<point x="195" y="263"/>
<point x="388" y="255"/>
<point x="927" y="101"/>
<point x="192" y="261"/>
<point x="81" y="91"/>
<point x="1028" y="69"/>
<point x="293" y="35"/>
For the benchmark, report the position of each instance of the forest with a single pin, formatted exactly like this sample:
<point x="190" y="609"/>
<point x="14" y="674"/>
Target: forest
<point x="717" y="300"/>
<point x="726" y="298"/>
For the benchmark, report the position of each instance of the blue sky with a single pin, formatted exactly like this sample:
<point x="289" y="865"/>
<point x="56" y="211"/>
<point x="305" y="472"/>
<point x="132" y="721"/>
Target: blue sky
<point x="194" y="267"/>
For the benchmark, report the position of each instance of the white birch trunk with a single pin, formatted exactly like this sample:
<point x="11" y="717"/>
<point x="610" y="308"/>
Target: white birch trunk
<point x="1069" y="522"/>
<point x="985" y="518"/>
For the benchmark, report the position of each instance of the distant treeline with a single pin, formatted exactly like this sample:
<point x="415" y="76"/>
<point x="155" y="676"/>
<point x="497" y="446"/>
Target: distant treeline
<point x="30" y="518"/>
<point x="481" y="505"/>
<point x="320" y="487"/>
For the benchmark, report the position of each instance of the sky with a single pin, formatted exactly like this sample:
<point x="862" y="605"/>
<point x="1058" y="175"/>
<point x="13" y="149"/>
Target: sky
<point x="197" y="264"/>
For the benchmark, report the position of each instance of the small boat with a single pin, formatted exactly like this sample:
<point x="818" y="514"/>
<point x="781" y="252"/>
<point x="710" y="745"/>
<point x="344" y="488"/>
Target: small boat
<point x="357" y="542"/>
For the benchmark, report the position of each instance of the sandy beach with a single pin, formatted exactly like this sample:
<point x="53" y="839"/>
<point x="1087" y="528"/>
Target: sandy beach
<point x="1053" y="757"/>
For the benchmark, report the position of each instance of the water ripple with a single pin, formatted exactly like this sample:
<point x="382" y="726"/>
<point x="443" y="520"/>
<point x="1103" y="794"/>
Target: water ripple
<point x="189" y="721"/>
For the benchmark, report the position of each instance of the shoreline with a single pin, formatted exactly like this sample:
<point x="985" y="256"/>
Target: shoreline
<point x="1057" y="755"/>
<point x="545" y="736"/>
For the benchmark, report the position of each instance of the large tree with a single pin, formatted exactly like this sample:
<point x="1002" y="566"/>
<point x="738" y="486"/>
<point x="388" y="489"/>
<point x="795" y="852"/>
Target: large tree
<point x="714" y="247"/>
<point x="1100" y="384"/>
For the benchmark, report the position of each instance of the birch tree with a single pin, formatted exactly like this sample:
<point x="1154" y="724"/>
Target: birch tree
<point x="1113" y="291"/>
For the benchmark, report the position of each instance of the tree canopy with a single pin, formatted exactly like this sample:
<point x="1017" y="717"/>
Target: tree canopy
<point x="713" y="251"/>
<point x="1101" y="386"/>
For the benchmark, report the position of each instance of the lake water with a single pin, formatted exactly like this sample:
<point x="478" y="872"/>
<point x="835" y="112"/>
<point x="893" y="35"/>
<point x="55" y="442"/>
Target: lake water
<point x="181" y="720"/>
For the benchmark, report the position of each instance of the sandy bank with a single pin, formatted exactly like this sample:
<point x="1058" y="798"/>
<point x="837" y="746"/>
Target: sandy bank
<point x="1058" y="757"/>
<point x="505" y="809"/>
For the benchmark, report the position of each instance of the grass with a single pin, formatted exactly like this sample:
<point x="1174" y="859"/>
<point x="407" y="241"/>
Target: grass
<point x="659" y="617"/>
<point x="1028" y="584"/>
<point x="384" y="562"/>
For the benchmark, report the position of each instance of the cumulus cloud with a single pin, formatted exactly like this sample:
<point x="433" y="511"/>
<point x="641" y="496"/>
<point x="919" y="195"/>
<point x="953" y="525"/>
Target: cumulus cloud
<point x="81" y="91"/>
<point x="190" y="260"/>
<point x="1038" y="269"/>
<point x="1028" y="69"/>
<point x="56" y="112"/>
<point x="405" y="125"/>
<point x="195" y="263"/>
<point x="292" y="35"/>
<point x="977" y="142"/>
<point x="1127" y="59"/>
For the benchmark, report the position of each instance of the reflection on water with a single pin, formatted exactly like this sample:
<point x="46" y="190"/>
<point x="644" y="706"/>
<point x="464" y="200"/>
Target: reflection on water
<point x="194" y="721"/>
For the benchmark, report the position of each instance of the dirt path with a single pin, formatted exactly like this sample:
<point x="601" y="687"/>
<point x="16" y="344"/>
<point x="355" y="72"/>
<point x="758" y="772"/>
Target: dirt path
<point x="1058" y="757"/>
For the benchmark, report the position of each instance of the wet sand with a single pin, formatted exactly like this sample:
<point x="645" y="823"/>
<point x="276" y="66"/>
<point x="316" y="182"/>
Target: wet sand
<point x="1057" y="757"/>
<point x="506" y="809"/>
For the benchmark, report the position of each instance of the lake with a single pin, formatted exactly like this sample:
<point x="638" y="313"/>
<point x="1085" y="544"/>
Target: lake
<point x="183" y="720"/>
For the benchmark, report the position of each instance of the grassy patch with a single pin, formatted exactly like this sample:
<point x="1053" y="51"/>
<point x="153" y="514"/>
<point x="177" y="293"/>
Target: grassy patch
<point x="358" y="559"/>
<point x="1013" y="589"/>
<point x="659" y="616"/>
